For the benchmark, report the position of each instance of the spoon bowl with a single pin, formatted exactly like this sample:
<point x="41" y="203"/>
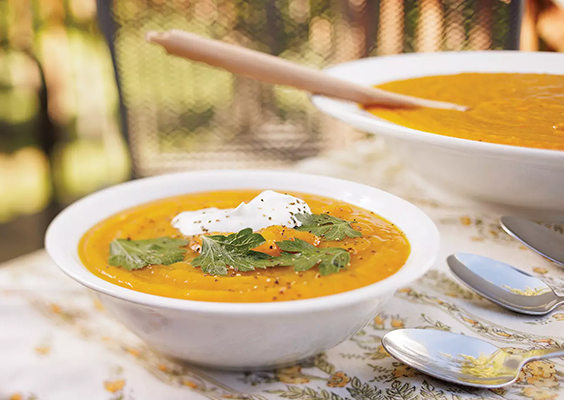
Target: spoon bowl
<point x="459" y="358"/>
<point x="504" y="285"/>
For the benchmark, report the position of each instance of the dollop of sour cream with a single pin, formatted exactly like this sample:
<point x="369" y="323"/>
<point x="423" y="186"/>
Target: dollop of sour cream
<point x="267" y="209"/>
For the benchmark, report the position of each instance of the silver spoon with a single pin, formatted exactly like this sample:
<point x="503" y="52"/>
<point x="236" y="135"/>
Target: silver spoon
<point x="539" y="238"/>
<point x="459" y="358"/>
<point x="504" y="285"/>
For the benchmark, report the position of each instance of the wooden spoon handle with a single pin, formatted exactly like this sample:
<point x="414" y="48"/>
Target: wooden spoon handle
<point x="271" y="69"/>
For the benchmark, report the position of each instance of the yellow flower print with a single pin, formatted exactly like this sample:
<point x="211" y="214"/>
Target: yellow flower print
<point x="98" y="304"/>
<point x="465" y="221"/>
<point x="19" y="396"/>
<point x="540" y="374"/>
<point x="114" y="386"/>
<point x="162" y="367"/>
<point x="540" y="270"/>
<point x="404" y="371"/>
<point x="558" y="316"/>
<point x="502" y="334"/>
<point x="338" y="379"/>
<point x="405" y="290"/>
<point x="379" y="320"/>
<point x="470" y="321"/>
<point x="539" y="394"/>
<point x="549" y="341"/>
<point x="540" y="369"/>
<point x="42" y="350"/>
<point x="55" y="308"/>
<point x="190" y="384"/>
<point x="133" y="352"/>
<point x="291" y="375"/>
<point x="397" y="323"/>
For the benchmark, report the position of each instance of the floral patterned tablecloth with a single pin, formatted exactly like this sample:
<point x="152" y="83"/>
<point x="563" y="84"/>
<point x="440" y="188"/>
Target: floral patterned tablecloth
<point x="57" y="342"/>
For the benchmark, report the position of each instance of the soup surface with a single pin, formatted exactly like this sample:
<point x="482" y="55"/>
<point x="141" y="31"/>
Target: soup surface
<point x="380" y="252"/>
<point x="515" y="109"/>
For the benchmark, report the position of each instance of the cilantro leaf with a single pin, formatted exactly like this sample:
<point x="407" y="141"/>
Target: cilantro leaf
<point x="235" y="250"/>
<point x="303" y="256"/>
<point x="326" y="226"/>
<point x="135" y="254"/>
<point x="241" y="241"/>
<point x="219" y="252"/>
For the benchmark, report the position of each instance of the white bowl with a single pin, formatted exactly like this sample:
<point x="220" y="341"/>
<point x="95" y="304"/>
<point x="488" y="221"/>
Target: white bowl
<point x="509" y="175"/>
<point x="241" y="335"/>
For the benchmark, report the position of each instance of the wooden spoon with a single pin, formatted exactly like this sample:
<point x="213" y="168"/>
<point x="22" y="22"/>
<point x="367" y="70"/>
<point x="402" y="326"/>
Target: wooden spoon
<point x="275" y="70"/>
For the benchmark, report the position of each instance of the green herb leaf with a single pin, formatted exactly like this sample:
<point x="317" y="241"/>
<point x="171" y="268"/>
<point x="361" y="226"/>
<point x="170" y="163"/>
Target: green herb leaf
<point x="135" y="254"/>
<point x="303" y="256"/>
<point x="326" y="226"/>
<point x="241" y="241"/>
<point x="219" y="252"/>
<point x="235" y="250"/>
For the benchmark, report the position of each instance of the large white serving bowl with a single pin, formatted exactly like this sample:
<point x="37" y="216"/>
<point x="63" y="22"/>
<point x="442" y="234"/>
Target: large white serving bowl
<point x="241" y="335"/>
<point x="508" y="175"/>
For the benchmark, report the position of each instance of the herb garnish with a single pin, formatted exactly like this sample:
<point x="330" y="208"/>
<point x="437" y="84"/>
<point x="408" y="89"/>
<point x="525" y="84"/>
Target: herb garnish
<point x="326" y="226"/>
<point x="235" y="251"/>
<point x="304" y="256"/>
<point x="135" y="254"/>
<point x="220" y="251"/>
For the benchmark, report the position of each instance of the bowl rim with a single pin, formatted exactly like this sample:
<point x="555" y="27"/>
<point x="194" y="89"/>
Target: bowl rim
<point x="367" y="121"/>
<point x="65" y="257"/>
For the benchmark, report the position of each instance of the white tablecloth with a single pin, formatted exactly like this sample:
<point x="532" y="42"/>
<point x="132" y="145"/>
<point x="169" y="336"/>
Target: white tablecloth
<point x="57" y="342"/>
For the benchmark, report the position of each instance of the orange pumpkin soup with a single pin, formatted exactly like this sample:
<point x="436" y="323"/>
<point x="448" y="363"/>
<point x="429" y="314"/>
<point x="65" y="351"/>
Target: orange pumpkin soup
<point x="515" y="109"/>
<point x="379" y="251"/>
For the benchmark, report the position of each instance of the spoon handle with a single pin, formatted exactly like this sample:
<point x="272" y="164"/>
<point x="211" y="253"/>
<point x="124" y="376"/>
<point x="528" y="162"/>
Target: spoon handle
<point x="540" y="354"/>
<point x="275" y="70"/>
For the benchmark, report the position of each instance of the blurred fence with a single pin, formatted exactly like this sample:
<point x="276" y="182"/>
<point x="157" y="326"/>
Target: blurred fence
<point x="183" y="115"/>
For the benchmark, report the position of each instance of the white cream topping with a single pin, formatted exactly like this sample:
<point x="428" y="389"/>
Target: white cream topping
<point x="267" y="209"/>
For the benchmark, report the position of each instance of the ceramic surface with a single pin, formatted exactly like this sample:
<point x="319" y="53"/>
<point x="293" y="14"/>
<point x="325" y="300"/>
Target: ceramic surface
<point x="509" y="175"/>
<point x="242" y="335"/>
